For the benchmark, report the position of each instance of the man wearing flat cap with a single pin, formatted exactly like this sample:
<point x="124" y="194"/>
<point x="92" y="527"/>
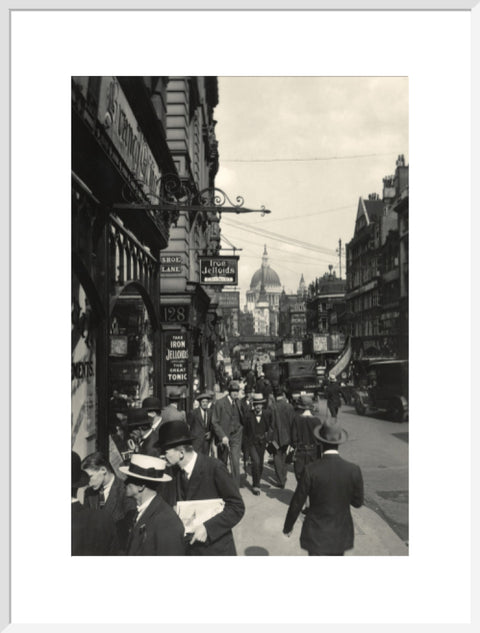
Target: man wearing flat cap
<point x="156" y="529"/>
<point x="200" y="423"/>
<point x="303" y="438"/>
<point x="332" y="485"/>
<point x="227" y="425"/>
<point x="199" y="477"/>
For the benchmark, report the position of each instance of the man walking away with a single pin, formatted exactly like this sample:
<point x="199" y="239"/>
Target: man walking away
<point x="332" y="393"/>
<point x="332" y="485"/>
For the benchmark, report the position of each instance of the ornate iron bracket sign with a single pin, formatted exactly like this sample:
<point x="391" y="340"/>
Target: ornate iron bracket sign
<point x="175" y="196"/>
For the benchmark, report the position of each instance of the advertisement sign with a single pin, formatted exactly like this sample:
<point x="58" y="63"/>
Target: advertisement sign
<point x="320" y="343"/>
<point x="288" y="347"/>
<point x="229" y="300"/>
<point x="120" y="124"/>
<point x="219" y="270"/>
<point x="176" y="359"/>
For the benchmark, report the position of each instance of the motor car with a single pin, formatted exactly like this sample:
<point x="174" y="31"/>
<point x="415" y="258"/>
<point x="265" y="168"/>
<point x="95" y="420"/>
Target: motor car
<point x="385" y="390"/>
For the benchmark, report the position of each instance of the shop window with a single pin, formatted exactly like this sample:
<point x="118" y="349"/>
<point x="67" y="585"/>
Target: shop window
<point x="131" y="353"/>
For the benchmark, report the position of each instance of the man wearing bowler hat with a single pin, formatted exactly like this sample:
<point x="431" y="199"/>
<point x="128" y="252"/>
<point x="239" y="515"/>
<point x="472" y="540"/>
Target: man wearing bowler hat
<point x="200" y="423"/>
<point x="153" y="407"/>
<point x="257" y="429"/>
<point x="156" y="529"/>
<point x="199" y="477"/>
<point x="332" y="485"/>
<point x="171" y="411"/>
<point x="227" y="425"/>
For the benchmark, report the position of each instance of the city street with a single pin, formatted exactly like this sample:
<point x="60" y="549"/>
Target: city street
<point x="380" y="447"/>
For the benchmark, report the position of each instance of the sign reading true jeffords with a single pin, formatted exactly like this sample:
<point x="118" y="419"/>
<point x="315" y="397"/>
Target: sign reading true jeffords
<point x="176" y="359"/>
<point x="219" y="270"/>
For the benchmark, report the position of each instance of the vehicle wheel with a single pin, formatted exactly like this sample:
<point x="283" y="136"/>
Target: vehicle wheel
<point x="397" y="412"/>
<point x="360" y="408"/>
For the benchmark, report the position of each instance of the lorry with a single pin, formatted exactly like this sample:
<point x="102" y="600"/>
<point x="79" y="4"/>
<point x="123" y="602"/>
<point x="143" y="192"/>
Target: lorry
<point x="296" y="375"/>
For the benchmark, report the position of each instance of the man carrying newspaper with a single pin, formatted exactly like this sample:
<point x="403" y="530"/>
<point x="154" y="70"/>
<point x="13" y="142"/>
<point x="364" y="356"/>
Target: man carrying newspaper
<point x="207" y="499"/>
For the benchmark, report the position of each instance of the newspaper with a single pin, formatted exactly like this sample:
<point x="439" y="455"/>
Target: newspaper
<point x="194" y="513"/>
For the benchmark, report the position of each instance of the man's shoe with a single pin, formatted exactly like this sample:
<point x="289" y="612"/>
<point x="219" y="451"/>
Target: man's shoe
<point x="255" y="491"/>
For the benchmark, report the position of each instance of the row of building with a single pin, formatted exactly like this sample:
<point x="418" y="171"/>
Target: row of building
<point x="370" y="305"/>
<point x="144" y="159"/>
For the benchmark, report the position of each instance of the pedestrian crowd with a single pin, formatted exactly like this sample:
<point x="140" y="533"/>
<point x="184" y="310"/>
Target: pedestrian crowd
<point x="171" y="483"/>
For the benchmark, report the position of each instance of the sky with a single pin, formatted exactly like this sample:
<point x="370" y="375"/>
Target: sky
<point x="306" y="148"/>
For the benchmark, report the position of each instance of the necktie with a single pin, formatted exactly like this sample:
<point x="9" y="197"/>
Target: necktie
<point x="204" y="413"/>
<point x="101" y="499"/>
<point x="183" y="484"/>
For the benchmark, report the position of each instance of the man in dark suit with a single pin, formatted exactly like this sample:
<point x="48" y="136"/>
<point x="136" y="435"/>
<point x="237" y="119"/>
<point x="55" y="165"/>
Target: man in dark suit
<point x="156" y="529"/>
<point x="332" y="484"/>
<point x="171" y="411"/>
<point x="282" y="422"/>
<point x="106" y="492"/>
<point x="200" y="423"/>
<point x="227" y="425"/>
<point x="199" y="477"/>
<point x="257" y="429"/>
<point x="332" y="393"/>
<point x="93" y="532"/>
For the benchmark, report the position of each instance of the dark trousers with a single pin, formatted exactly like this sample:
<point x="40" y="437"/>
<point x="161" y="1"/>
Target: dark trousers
<point x="333" y="408"/>
<point x="256" y="451"/>
<point x="280" y="465"/>
<point x="235" y="440"/>
<point x="315" y="554"/>
<point x="303" y="456"/>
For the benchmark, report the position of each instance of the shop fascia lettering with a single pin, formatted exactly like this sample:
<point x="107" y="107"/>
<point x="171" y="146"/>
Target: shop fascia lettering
<point x="115" y="113"/>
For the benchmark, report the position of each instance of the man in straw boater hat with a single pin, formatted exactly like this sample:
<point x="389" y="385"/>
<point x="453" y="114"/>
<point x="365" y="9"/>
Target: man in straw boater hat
<point x="332" y="485"/>
<point x="257" y="429"/>
<point x="227" y="425"/>
<point x="199" y="477"/>
<point x="156" y="529"/>
<point x="200" y="423"/>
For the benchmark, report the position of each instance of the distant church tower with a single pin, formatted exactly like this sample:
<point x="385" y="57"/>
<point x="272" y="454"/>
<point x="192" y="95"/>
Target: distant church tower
<point x="302" y="288"/>
<point x="263" y="297"/>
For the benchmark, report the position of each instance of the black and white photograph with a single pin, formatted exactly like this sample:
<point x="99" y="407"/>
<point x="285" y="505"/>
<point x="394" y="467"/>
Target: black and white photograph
<point x="239" y="310"/>
<point x="260" y="222"/>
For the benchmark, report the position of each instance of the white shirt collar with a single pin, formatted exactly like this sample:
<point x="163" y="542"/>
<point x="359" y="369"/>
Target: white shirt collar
<point x="107" y="488"/>
<point x="141" y="508"/>
<point x="189" y="467"/>
<point x="330" y="451"/>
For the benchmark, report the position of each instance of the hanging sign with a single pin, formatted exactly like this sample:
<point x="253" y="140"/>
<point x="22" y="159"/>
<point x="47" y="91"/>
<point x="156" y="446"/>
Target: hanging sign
<point x="219" y="270"/>
<point x="176" y="359"/>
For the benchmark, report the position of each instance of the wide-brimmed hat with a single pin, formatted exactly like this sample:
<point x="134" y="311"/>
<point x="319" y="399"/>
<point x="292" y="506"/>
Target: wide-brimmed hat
<point x="175" y="394"/>
<point x="304" y="402"/>
<point x="174" y="433"/>
<point x="138" y="417"/>
<point x="330" y="433"/>
<point x="79" y="476"/>
<point x="234" y="385"/>
<point x="258" y="398"/>
<point x="146" y="467"/>
<point x="204" y="396"/>
<point x="152" y="404"/>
